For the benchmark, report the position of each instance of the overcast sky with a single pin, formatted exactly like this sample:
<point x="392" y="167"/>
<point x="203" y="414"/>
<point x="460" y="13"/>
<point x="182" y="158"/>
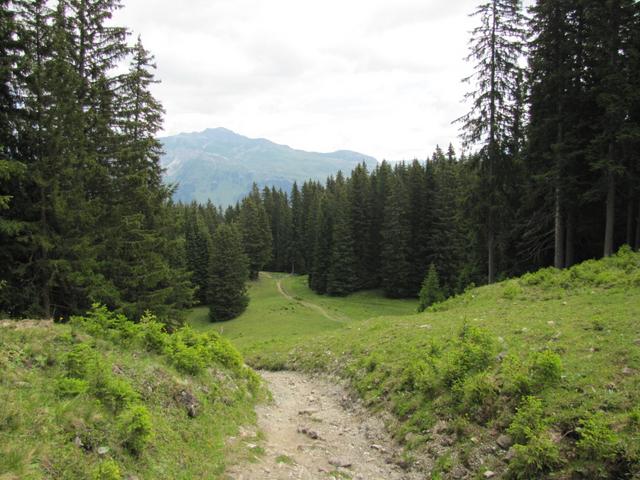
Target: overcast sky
<point x="381" y="77"/>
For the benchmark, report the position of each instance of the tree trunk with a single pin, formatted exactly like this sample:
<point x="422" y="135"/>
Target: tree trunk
<point x="558" y="260"/>
<point x="637" y="245"/>
<point x="610" y="221"/>
<point x="570" y="235"/>
<point x="630" y="231"/>
<point x="491" y="251"/>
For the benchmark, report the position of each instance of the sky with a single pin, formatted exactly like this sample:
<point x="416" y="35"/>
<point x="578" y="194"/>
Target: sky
<point x="381" y="77"/>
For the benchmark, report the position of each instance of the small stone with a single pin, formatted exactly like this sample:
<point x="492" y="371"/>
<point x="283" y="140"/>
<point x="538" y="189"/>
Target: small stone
<point x="552" y="323"/>
<point x="309" y="433"/>
<point x="308" y="411"/>
<point x="380" y="448"/>
<point x="474" y="439"/>
<point x="627" y="371"/>
<point x="426" y="325"/>
<point x="509" y="455"/>
<point x="338" y="462"/>
<point x="504" y="441"/>
<point x="78" y="442"/>
<point x="102" y="450"/>
<point x="489" y="474"/>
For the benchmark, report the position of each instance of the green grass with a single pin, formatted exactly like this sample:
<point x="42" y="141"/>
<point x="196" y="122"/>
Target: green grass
<point x="45" y="433"/>
<point x="460" y="374"/>
<point x="273" y="324"/>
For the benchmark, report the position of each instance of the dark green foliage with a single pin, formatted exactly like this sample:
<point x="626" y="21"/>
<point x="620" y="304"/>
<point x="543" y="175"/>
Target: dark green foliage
<point x="256" y="232"/>
<point x="430" y="292"/>
<point x="228" y="273"/>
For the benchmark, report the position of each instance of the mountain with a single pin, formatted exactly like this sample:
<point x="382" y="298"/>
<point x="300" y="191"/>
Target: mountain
<point x="220" y="165"/>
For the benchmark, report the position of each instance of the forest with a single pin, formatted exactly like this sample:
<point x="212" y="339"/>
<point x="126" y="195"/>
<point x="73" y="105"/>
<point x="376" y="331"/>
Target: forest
<point x="548" y="173"/>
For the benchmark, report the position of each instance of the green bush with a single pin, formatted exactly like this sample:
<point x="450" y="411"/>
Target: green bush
<point x="152" y="334"/>
<point x="479" y="397"/>
<point x="515" y="375"/>
<point x="71" y="387"/>
<point x="597" y="442"/>
<point x="107" y="470"/>
<point x="528" y="420"/>
<point x="473" y="352"/>
<point x="115" y="393"/>
<point x="512" y="290"/>
<point x="188" y="359"/>
<point x="431" y="292"/>
<point x="80" y="361"/>
<point x="540" y="456"/>
<point x="135" y="428"/>
<point x="546" y="369"/>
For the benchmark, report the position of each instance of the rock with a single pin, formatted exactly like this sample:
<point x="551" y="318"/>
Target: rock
<point x="627" y="371"/>
<point x="489" y="474"/>
<point x="309" y="433"/>
<point x="117" y="369"/>
<point x="504" y="442"/>
<point x="338" y="462"/>
<point x="552" y="323"/>
<point x="103" y="450"/>
<point x="509" y="455"/>
<point x="189" y="401"/>
<point x="426" y="325"/>
<point x="380" y="448"/>
<point x="78" y="442"/>
<point x="308" y="411"/>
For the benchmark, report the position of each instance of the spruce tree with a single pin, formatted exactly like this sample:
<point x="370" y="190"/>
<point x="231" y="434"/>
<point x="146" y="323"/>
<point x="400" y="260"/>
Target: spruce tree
<point x="496" y="47"/>
<point x="430" y="292"/>
<point x="256" y="233"/>
<point x="342" y="276"/>
<point x="228" y="274"/>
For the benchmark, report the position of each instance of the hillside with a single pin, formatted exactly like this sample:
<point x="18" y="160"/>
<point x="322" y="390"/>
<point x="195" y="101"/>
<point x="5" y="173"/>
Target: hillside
<point x="220" y="165"/>
<point x="529" y="378"/>
<point x="103" y="398"/>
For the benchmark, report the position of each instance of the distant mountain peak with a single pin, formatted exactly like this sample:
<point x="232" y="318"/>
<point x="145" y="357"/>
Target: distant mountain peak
<point x="221" y="165"/>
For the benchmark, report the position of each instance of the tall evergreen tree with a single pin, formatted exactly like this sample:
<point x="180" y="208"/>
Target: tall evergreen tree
<point x="496" y="47"/>
<point x="228" y="275"/>
<point x="256" y="232"/>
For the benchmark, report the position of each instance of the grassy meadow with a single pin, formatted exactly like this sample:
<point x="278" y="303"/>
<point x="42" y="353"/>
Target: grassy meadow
<point x="550" y="361"/>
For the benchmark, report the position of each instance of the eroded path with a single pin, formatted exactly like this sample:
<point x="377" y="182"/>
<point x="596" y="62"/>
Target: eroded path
<point x="313" y="306"/>
<point x="314" y="431"/>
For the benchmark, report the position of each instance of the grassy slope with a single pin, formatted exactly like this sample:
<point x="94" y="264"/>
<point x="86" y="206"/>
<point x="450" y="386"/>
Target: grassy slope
<point x="44" y="434"/>
<point x="570" y="339"/>
<point x="273" y="324"/>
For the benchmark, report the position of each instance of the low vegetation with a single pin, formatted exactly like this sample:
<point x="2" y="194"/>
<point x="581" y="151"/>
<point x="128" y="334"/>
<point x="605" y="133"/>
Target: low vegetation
<point x="104" y="398"/>
<point x="530" y="377"/>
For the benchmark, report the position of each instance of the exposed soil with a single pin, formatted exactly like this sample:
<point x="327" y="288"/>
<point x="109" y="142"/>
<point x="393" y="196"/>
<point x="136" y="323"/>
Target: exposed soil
<point x="314" y="430"/>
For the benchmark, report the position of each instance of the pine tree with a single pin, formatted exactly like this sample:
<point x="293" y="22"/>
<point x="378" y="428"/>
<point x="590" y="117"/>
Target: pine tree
<point x="256" y="233"/>
<point x="430" y="292"/>
<point x="395" y="266"/>
<point x="228" y="274"/>
<point x="342" y="276"/>
<point x="297" y="257"/>
<point x="495" y="48"/>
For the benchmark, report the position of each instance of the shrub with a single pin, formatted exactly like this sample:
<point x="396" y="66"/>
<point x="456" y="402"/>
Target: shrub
<point x="546" y="369"/>
<point x="479" y="396"/>
<point x="135" y="428"/>
<point x="107" y="470"/>
<point x="473" y="352"/>
<point x="152" y="334"/>
<point x="516" y="379"/>
<point x="221" y="351"/>
<point x="512" y="289"/>
<point x="528" y="421"/>
<point x="540" y="456"/>
<point x="597" y="442"/>
<point x="70" y="387"/>
<point x="80" y="361"/>
<point x="115" y="393"/>
<point x="189" y="359"/>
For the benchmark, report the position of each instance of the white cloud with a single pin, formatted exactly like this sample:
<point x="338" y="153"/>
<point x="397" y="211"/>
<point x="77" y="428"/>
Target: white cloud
<point x="377" y="76"/>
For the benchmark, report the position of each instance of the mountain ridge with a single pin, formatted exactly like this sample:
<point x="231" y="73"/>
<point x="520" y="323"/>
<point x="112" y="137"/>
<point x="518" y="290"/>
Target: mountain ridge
<point x="220" y="165"/>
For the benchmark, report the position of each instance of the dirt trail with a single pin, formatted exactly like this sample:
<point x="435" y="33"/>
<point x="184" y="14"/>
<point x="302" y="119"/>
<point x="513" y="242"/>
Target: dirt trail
<point x="310" y="305"/>
<point x="314" y="431"/>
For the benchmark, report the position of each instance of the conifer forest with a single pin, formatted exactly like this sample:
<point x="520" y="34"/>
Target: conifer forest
<point x="470" y="313"/>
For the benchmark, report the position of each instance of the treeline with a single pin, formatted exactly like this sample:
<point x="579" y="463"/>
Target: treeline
<point x="553" y="177"/>
<point x="83" y="210"/>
